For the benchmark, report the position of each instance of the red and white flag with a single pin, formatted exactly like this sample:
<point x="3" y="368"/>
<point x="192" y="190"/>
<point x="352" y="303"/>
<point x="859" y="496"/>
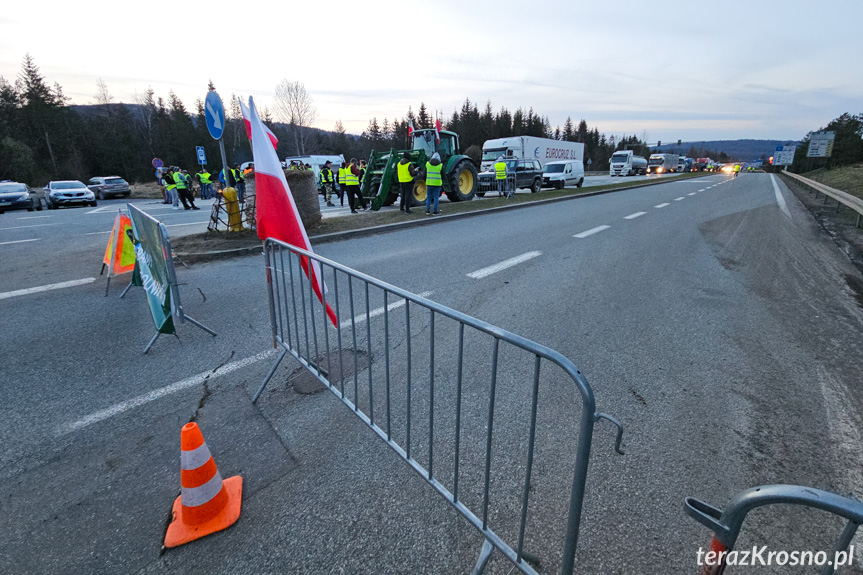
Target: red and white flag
<point x="276" y="213"/>
<point x="437" y="129"/>
<point x="247" y="122"/>
<point x="410" y="127"/>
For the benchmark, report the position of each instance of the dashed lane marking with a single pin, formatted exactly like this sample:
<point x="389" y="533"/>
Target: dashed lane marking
<point x="19" y="241"/>
<point x="30" y="226"/>
<point x="662" y="205"/>
<point x="484" y="272"/>
<point x="633" y="216"/>
<point x="49" y="287"/>
<point x="678" y="199"/>
<point x="378" y="311"/>
<point x="591" y="231"/>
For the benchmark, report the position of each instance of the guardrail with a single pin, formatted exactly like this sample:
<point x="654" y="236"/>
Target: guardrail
<point x="842" y="198"/>
<point x="726" y="524"/>
<point x="473" y="425"/>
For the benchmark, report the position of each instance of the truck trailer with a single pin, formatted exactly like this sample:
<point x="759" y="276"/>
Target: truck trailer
<point x="626" y="163"/>
<point x="662" y="163"/>
<point x="529" y="148"/>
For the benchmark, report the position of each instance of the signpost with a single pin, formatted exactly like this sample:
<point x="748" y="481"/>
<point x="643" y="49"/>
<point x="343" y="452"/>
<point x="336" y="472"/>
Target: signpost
<point x="158" y="163"/>
<point x="214" y="112"/>
<point x="784" y="155"/>
<point x="202" y="155"/>
<point x="821" y="144"/>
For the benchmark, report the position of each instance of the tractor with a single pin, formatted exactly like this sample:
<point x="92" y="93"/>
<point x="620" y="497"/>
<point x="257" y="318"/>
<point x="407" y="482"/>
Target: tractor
<point x="380" y="183"/>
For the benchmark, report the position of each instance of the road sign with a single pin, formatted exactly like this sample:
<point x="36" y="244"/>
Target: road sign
<point x="784" y="155"/>
<point x="589" y="161"/>
<point x="202" y="155"/>
<point x="158" y="163"/>
<point x="820" y="144"/>
<point x="214" y="112"/>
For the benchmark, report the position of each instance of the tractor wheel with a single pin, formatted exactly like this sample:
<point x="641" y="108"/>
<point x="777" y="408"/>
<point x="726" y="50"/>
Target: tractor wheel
<point x="420" y="193"/>
<point x="462" y="182"/>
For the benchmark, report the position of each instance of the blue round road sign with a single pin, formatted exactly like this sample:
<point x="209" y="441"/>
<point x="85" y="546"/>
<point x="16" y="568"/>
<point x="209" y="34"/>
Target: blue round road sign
<point x="214" y="112"/>
<point x="157" y="163"/>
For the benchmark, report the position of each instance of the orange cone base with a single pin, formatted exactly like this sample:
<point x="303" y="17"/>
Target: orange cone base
<point x="180" y="533"/>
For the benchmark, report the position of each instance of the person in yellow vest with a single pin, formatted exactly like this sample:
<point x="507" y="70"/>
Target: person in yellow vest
<point x="500" y="176"/>
<point x="736" y="169"/>
<point x="341" y="182"/>
<point x="352" y="179"/>
<point x="205" y="180"/>
<point x="171" y="187"/>
<point x="327" y="183"/>
<point x="406" y="173"/>
<point x="433" y="183"/>
<point x="183" y="191"/>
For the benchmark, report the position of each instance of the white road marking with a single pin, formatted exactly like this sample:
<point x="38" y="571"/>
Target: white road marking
<point x="377" y="311"/>
<point x="591" y="231"/>
<point x="479" y="274"/>
<point x="779" y="199"/>
<point x="662" y="205"/>
<point x="32" y="226"/>
<point x="33" y="217"/>
<point x="678" y="199"/>
<point x="103" y="209"/>
<point x="692" y="194"/>
<point x="19" y="242"/>
<point x="701" y="190"/>
<point x="161" y="392"/>
<point x="96" y="233"/>
<point x="49" y="287"/>
<point x="186" y="224"/>
<point x="633" y="216"/>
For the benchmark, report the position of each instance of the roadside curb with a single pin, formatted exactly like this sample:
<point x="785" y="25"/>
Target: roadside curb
<point x="362" y="232"/>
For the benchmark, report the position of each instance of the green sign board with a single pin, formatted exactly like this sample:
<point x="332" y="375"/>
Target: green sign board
<point x="152" y="265"/>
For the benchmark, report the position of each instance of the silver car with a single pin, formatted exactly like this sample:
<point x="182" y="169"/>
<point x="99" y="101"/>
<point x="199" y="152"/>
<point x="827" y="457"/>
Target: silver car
<point x="68" y="193"/>
<point x="106" y="186"/>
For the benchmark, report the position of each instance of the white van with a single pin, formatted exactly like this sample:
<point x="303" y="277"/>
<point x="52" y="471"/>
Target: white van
<point x="563" y="174"/>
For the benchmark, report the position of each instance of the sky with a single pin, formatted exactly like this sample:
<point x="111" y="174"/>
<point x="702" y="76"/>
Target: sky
<point x="659" y="70"/>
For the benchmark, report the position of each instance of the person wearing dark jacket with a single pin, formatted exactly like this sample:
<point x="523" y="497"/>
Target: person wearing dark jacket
<point x="406" y="174"/>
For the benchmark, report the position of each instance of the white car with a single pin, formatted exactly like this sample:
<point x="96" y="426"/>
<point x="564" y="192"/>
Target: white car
<point x="68" y="192"/>
<point x="562" y="174"/>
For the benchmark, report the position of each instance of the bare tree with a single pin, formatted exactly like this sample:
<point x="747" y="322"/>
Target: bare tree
<point x="144" y="118"/>
<point x="103" y="96"/>
<point x="293" y="105"/>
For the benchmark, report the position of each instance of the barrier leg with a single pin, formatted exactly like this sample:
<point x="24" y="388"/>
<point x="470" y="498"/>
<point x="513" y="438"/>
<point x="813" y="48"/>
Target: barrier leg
<point x="484" y="557"/>
<point x="125" y="291"/>
<point x="152" y="341"/>
<point x="199" y="324"/>
<point x="270" y="375"/>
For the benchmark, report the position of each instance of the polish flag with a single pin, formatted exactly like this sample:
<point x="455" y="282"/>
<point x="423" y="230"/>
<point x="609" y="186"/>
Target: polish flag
<point x="276" y="212"/>
<point x="410" y="127"/>
<point x="247" y="122"/>
<point x="437" y="129"/>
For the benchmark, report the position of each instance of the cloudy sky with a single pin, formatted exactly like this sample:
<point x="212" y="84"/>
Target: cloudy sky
<point x="667" y="70"/>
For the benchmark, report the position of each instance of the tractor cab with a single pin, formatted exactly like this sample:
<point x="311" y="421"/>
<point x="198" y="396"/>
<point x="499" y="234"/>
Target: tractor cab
<point x="425" y="140"/>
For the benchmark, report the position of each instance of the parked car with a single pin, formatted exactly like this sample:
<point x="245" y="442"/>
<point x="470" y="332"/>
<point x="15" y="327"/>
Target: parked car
<point x="106" y="186"/>
<point x="17" y="196"/>
<point x="528" y="174"/>
<point x="563" y="174"/>
<point x="68" y="192"/>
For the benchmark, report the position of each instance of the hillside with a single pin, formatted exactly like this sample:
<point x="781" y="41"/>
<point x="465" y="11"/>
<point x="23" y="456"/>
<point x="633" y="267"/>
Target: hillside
<point x="847" y="178"/>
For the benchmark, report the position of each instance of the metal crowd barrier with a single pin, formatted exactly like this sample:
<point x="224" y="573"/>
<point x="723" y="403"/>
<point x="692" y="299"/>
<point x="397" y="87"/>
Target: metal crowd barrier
<point x="726" y="524"/>
<point x="474" y="402"/>
<point x="489" y="185"/>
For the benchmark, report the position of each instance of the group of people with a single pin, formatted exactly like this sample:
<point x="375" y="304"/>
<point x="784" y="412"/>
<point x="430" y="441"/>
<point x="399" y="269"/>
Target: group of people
<point x="406" y="171"/>
<point x="177" y="184"/>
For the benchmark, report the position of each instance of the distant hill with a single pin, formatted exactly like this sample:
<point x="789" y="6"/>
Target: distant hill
<point x="742" y="150"/>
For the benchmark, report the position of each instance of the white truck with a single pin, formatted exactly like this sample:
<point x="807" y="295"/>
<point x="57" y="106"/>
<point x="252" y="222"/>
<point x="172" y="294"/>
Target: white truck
<point x="529" y="148"/>
<point x="662" y="163"/>
<point x="626" y="163"/>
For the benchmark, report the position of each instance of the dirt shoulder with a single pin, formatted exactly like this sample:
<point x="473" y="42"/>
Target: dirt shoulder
<point x="838" y="221"/>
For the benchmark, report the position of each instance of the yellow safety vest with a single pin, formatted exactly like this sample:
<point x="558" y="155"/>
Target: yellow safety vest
<point x="433" y="177"/>
<point x="205" y="177"/>
<point x="350" y="178"/>
<point x="405" y="172"/>
<point x="342" y="176"/>
<point x="169" y="181"/>
<point x="181" y="183"/>
<point x="326" y="175"/>
<point x="500" y="170"/>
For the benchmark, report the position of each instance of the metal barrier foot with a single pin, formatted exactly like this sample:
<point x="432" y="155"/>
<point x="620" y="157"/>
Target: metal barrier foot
<point x="484" y="556"/>
<point x="270" y="375"/>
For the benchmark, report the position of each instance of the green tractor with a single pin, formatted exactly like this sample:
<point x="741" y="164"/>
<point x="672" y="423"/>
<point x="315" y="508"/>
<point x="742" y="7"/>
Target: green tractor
<point x="380" y="183"/>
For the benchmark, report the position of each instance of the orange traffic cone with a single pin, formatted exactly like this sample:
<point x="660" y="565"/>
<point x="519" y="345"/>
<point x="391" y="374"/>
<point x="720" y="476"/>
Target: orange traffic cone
<point x="206" y="503"/>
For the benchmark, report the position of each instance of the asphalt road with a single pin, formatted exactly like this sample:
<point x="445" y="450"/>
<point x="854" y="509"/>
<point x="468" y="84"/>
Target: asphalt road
<point x="713" y="317"/>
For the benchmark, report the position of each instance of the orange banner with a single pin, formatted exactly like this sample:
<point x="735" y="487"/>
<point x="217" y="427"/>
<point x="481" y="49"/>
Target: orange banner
<point x="122" y="246"/>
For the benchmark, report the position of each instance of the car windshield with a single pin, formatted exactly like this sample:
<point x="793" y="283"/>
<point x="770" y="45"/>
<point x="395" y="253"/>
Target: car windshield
<point x="115" y="181"/>
<point x="489" y="155"/>
<point x="554" y="168"/>
<point x="68" y="185"/>
<point x="656" y="161"/>
<point x="12" y="188"/>
<point x="619" y="157"/>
